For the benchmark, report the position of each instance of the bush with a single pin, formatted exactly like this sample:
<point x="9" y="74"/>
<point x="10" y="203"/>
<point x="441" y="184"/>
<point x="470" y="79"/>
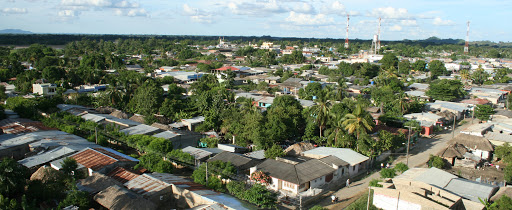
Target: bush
<point x="361" y="203"/>
<point x="179" y="155"/>
<point x="256" y="194"/>
<point x="375" y="183"/>
<point x="317" y="207"/>
<point x="236" y="188"/>
<point x="261" y="196"/>
<point x="436" y="161"/>
<point x="387" y="173"/>
<point x="401" y="167"/>
<point x="215" y="183"/>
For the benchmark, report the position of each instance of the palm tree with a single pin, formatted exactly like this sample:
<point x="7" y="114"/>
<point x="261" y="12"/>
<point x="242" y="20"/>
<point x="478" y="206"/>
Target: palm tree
<point x="358" y="122"/>
<point x="402" y="102"/>
<point x="464" y="74"/>
<point x="321" y="111"/>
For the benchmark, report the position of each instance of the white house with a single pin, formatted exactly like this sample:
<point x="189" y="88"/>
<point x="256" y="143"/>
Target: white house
<point x="357" y="163"/>
<point x="295" y="175"/>
<point x="45" y="89"/>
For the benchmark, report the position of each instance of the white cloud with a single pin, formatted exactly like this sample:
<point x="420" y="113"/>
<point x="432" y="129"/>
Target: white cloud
<point x="137" y="12"/>
<point x="88" y="3"/>
<point x="391" y="13"/>
<point x="255" y="8"/>
<point x="302" y="8"/>
<point x="336" y="7"/>
<point x="197" y="15"/>
<point x="119" y="7"/>
<point x="440" y="22"/>
<point x="309" y="20"/>
<point x="396" y="28"/>
<point x="408" y="22"/>
<point x="14" y="10"/>
<point x="68" y="13"/>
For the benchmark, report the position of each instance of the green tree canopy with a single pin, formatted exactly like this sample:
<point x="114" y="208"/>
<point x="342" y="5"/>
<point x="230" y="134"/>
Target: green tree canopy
<point x="147" y="98"/>
<point x="483" y="112"/>
<point x="274" y="151"/>
<point x="446" y="90"/>
<point x="437" y="69"/>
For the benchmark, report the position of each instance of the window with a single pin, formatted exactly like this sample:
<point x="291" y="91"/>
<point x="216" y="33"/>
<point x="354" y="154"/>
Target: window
<point x="342" y="171"/>
<point x="289" y="185"/>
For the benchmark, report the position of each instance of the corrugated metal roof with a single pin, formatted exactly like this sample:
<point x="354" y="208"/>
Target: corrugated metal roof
<point x="98" y="158"/>
<point x="435" y="176"/>
<point x="140" y="129"/>
<point x="146" y="185"/>
<point x="209" y="196"/>
<point x="295" y="173"/>
<point x="471" y="190"/>
<point x="167" y="135"/>
<point x="93" y="159"/>
<point x="260" y="154"/>
<point x="332" y="160"/>
<point x="46" y="157"/>
<point x="345" y="154"/>
<point x="122" y="175"/>
<point x="200" y="153"/>
<point x="239" y="161"/>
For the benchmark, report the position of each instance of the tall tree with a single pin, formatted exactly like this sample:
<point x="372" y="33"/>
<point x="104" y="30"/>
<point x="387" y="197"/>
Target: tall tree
<point x="446" y="90"/>
<point x="389" y="60"/>
<point x="358" y="121"/>
<point x="437" y="69"/>
<point x="147" y="98"/>
<point x="321" y="111"/>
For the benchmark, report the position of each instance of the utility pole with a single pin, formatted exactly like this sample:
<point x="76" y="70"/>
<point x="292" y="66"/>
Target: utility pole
<point x="408" y="143"/>
<point x="368" y="202"/>
<point x="206" y="173"/>
<point x="473" y="113"/>
<point x="96" y="134"/>
<point x="453" y="129"/>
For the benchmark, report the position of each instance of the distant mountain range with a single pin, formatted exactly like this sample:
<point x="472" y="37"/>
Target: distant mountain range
<point x="14" y="31"/>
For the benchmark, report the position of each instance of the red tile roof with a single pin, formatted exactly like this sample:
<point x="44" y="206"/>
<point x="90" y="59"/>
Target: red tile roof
<point x="122" y="175"/>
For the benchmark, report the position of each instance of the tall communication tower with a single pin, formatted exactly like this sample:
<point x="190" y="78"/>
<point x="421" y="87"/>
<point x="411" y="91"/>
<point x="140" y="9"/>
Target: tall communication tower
<point x="466" y="47"/>
<point x="346" y="39"/>
<point x="378" y="37"/>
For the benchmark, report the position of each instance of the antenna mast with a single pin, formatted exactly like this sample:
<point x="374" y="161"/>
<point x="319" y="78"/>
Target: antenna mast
<point x="346" y="40"/>
<point x="466" y="47"/>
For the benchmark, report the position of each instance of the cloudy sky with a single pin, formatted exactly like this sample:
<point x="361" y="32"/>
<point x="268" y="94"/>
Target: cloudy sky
<point x="401" y="19"/>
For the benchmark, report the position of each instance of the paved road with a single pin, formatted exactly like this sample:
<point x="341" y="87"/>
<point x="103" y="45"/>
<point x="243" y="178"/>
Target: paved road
<point x="418" y="157"/>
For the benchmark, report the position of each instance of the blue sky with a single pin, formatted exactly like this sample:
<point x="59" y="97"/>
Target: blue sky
<point x="401" y="19"/>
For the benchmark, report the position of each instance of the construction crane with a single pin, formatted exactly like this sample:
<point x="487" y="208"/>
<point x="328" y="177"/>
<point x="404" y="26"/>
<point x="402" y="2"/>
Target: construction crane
<point x="466" y="47"/>
<point x="346" y="39"/>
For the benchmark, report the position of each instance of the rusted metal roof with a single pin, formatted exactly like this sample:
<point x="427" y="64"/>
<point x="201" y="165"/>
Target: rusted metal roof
<point x="16" y="126"/>
<point x="146" y="185"/>
<point x="122" y="175"/>
<point x="93" y="159"/>
<point x="98" y="158"/>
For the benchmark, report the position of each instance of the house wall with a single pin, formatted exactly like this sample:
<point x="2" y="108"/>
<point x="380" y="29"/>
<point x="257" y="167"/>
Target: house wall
<point x="316" y="183"/>
<point x="483" y="154"/>
<point x="287" y="186"/>
<point x="353" y="170"/>
<point x="340" y="173"/>
<point x="391" y="203"/>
